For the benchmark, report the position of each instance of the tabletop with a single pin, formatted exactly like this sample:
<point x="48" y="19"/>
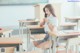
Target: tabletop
<point x="11" y="40"/>
<point x="27" y="21"/>
<point x="35" y="27"/>
<point x="5" y="30"/>
<point x="68" y="24"/>
<point x="65" y="34"/>
<point x="76" y="18"/>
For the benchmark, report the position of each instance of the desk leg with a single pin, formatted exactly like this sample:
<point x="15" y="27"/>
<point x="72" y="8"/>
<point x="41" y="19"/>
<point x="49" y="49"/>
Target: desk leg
<point x="20" y="48"/>
<point x="3" y="35"/>
<point x="79" y="25"/>
<point x="0" y="50"/>
<point x="10" y="34"/>
<point x="54" y="45"/>
<point x="20" y="28"/>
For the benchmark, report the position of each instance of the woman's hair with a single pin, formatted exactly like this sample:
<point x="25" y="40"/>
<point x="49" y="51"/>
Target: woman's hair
<point x="50" y="8"/>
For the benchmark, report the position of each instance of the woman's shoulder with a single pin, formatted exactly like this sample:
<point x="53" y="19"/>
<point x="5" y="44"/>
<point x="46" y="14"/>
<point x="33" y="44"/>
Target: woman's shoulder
<point x="53" y="18"/>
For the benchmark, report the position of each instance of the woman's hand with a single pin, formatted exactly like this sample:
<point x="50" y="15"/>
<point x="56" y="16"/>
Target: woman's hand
<point x="42" y="22"/>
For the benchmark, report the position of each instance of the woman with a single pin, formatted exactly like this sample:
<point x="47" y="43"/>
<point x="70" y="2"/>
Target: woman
<point x="50" y="23"/>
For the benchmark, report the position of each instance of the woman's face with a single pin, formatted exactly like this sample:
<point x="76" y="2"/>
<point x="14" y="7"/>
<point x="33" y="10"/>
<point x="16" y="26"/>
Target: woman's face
<point x="47" y="11"/>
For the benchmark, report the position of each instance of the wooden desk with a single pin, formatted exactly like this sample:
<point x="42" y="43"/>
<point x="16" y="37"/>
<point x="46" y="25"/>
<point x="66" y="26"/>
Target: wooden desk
<point x="35" y="27"/>
<point x="67" y="26"/>
<point x="27" y="21"/>
<point x="6" y="32"/>
<point x="11" y="42"/>
<point x="23" y="23"/>
<point x="76" y="19"/>
<point x="55" y="38"/>
<point x="29" y="30"/>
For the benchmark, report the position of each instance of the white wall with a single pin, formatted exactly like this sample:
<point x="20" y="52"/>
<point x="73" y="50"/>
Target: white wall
<point x="57" y="1"/>
<point x="67" y="9"/>
<point x="9" y="15"/>
<point x="77" y="9"/>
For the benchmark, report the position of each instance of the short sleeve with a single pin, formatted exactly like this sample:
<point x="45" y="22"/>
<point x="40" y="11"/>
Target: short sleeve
<point x="54" y="21"/>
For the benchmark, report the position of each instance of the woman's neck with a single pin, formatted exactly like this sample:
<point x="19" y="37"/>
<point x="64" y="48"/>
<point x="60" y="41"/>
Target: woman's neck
<point x="49" y="15"/>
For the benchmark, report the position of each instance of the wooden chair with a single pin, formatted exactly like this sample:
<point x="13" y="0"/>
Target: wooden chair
<point x="37" y="36"/>
<point x="46" y="46"/>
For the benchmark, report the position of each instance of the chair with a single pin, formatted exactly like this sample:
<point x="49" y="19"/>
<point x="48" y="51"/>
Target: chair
<point x="46" y="46"/>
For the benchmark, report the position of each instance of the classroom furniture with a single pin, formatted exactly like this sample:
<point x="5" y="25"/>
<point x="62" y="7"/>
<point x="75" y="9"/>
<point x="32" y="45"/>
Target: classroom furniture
<point x="9" y="49"/>
<point x="73" y="44"/>
<point x="36" y="29"/>
<point x="11" y="42"/>
<point x="66" y="35"/>
<point x="45" y="46"/>
<point x="68" y="26"/>
<point x="23" y="23"/>
<point x="33" y="27"/>
<point x="74" y="19"/>
<point x="37" y="36"/>
<point x="4" y="32"/>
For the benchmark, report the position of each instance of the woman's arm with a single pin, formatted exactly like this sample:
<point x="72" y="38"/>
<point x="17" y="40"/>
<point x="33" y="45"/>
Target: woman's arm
<point x="51" y="27"/>
<point x="42" y="22"/>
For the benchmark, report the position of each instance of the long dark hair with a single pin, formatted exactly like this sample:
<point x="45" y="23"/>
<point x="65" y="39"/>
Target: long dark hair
<point x="50" y="8"/>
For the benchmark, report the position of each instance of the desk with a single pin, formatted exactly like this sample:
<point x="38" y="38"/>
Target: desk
<point x="6" y="32"/>
<point x="35" y="27"/>
<point x="11" y="42"/>
<point x="68" y="26"/>
<point x="22" y="26"/>
<point x="32" y="27"/>
<point x="76" y="19"/>
<point x="23" y="23"/>
<point x="54" y="38"/>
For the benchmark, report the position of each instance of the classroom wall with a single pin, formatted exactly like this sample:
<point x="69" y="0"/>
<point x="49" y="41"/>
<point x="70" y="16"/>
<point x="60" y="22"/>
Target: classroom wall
<point x="67" y="9"/>
<point x="57" y="1"/>
<point x="77" y="9"/>
<point x="9" y="15"/>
